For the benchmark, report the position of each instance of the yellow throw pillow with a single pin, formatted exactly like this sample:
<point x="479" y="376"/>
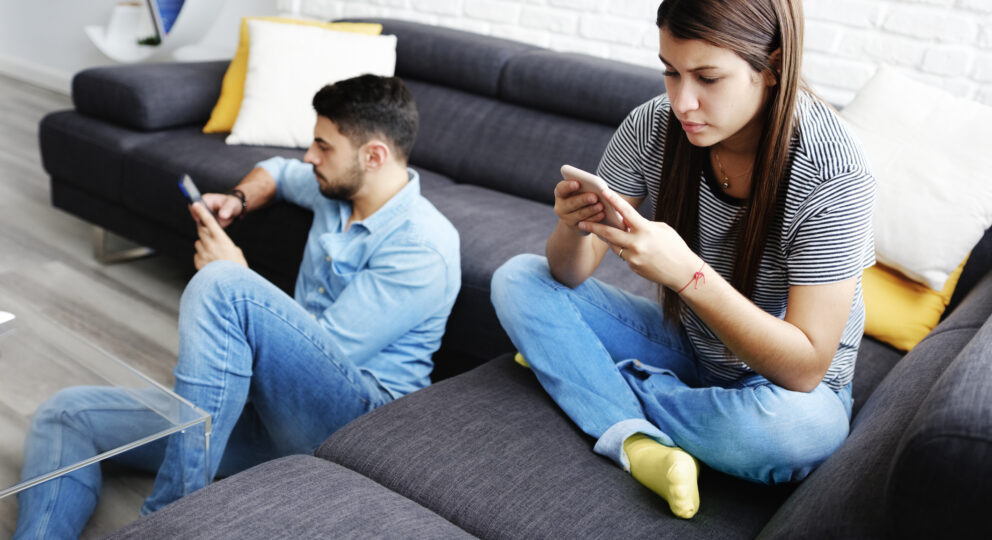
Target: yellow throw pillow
<point x="232" y="88"/>
<point x="900" y="311"/>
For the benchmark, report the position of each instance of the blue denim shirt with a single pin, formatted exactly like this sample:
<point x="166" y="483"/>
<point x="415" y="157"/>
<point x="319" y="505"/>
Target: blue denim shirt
<point x="383" y="287"/>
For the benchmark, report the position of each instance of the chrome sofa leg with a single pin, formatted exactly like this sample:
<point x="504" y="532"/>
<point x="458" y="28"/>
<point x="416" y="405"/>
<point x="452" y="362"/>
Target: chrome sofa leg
<point x="101" y="254"/>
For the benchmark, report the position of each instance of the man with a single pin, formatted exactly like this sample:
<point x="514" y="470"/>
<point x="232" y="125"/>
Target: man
<point x="277" y="375"/>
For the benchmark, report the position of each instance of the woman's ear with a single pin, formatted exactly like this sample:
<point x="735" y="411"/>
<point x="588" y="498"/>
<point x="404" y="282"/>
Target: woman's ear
<point x="775" y="61"/>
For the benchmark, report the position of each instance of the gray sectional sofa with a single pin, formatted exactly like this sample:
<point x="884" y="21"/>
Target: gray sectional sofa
<point x="483" y="452"/>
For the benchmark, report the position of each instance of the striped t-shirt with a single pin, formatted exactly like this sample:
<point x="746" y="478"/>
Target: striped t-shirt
<point x="825" y="234"/>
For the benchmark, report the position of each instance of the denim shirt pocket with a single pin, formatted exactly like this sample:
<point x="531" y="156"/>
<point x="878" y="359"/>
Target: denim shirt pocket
<point x="341" y="252"/>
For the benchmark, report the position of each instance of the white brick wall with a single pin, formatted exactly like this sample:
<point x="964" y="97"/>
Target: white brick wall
<point x="946" y="43"/>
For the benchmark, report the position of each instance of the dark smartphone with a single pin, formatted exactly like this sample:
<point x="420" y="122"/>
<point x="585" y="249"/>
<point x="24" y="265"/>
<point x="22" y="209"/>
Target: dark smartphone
<point x="192" y="193"/>
<point x="189" y="190"/>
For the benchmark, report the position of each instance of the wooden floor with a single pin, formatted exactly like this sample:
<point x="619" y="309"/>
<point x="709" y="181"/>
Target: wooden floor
<point x="46" y="263"/>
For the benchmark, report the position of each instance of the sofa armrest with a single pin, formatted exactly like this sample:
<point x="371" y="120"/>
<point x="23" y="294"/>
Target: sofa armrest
<point x="979" y="263"/>
<point x="940" y="482"/>
<point x="149" y="97"/>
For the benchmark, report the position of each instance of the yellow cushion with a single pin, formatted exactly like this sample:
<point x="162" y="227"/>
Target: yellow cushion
<point x="232" y="88"/>
<point x="899" y="311"/>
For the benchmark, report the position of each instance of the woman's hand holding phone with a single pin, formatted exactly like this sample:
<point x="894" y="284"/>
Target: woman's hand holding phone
<point x="573" y="206"/>
<point x="590" y="184"/>
<point x="652" y="249"/>
<point x="572" y="254"/>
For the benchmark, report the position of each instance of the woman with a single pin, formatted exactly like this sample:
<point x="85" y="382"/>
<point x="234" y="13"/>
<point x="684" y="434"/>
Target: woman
<point x="762" y="229"/>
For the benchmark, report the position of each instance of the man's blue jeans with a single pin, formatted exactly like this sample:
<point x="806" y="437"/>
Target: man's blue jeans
<point x="249" y="356"/>
<point x="611" y="363"/>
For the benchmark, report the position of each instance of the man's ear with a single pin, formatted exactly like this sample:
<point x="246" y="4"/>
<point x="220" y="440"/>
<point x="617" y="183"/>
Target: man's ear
<point x="375" y="153"/>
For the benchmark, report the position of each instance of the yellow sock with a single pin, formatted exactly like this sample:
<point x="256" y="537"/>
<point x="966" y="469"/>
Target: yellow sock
<point x="519" y="358"/>
<point x="665" y="470"/>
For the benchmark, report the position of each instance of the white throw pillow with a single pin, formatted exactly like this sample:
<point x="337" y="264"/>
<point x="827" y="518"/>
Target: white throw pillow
<point x="287" y="65"/>
<point x="931" y="154"/>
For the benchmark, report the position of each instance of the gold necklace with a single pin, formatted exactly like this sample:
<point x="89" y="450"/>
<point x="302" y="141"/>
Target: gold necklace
<point x="726" y="179"/>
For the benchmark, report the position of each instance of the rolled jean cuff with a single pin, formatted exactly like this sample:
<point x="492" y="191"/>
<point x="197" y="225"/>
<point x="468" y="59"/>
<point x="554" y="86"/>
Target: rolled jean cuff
<point x="610" y="444"/>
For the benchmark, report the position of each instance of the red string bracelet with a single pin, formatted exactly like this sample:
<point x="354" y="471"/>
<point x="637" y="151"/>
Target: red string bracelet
<point x="695" y="279"/>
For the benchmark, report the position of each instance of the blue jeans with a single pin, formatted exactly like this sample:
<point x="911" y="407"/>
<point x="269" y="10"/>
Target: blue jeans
<point x="614" y="366"/>
<point x="249" y="356"/>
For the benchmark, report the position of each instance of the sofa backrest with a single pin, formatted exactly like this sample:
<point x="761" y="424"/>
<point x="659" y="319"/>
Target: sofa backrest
<point x="506" y="115"/>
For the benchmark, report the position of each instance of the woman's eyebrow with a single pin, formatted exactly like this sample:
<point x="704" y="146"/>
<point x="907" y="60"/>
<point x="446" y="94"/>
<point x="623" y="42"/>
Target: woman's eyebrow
<point x="693" y="70"/>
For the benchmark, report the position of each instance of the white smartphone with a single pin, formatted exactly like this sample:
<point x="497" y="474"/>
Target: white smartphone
<point x="6" y="321"/>
<point x="590" y="183"/>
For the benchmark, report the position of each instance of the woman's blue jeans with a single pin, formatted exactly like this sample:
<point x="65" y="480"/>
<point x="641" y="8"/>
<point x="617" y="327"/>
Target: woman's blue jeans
<point x="249" y="356"/>
<point x="610" y="361"/>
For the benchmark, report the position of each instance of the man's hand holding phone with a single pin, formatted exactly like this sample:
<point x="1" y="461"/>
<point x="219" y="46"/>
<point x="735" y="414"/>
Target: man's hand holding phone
<point x="226" y="208"/>
<point x="214" y="244"/>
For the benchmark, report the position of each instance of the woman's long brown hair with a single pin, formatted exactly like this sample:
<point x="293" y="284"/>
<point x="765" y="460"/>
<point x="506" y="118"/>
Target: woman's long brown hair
<point x="754" y="30"/>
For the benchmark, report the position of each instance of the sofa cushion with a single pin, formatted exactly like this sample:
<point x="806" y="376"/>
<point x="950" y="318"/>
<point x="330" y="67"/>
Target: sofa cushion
<point x="579" y="85"/>
<point x="490" y="452"/>
<point x="151" y="96"/>
<point x="225" y="112"/>
<point x="288" y="65"/>
<point x="900" y="311"/>
<point x="844" y="497"/>
<point x="934" y="197"/>
<point x="292" y="497"/>
<point x="940" y="481"/>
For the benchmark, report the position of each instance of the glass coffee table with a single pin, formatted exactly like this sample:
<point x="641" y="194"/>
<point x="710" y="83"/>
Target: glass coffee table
<point x="38" y="357"/>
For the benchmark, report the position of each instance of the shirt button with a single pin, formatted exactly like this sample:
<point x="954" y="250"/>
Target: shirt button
<point x="321" y="290"/>
<point x="327" y="258"/>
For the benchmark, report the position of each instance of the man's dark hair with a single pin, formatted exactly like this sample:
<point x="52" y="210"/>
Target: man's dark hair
<point x="367" y="106"/>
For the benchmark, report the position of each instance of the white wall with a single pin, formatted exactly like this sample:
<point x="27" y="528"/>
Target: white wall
<point x="947" y="43"/>
<point x="43" y="41"/>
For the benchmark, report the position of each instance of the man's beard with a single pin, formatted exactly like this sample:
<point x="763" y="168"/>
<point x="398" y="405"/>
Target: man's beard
<point x="347" y="184"/>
